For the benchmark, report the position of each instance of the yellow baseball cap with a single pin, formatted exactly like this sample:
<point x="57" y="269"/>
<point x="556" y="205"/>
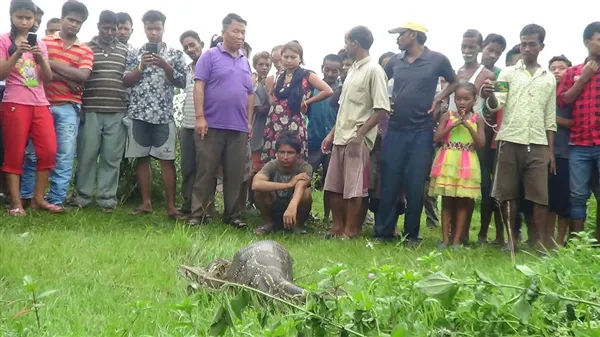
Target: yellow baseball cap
<point x="409" y="25"/>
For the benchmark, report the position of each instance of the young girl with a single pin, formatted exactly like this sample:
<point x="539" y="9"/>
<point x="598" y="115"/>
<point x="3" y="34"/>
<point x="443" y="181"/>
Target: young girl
<point x="25" y="112"/>
<point x="456" y="174"/>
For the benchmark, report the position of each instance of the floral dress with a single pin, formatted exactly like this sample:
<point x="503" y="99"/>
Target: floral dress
<point x="281" y="119"/>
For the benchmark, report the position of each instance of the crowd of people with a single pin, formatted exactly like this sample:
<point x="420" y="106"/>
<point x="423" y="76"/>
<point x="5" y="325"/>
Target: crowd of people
<point x="389" y="135"/>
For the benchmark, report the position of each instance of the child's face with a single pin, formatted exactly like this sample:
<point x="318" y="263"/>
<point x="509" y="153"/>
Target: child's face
<point x="464" y="100"/>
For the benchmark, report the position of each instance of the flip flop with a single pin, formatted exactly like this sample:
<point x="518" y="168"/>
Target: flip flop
<point x="16" y="212"/>
<point x="238" y="223"/>
<point x="263" y="230"/>
<point x="176" y="216"/>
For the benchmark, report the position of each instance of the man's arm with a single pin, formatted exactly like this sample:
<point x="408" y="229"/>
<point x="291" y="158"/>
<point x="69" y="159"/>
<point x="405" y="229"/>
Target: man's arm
<point x="550" y="118"/>
<point x="569" y="89"/>
<point x="199" y="98"/>
<point x="564" y="122"/>
<point x="447" y="72"/>
<point x="261" y="183"/>
<point x="299" y="190"/>
<point x="79" y="74"/>
<point x="176" y="74"/>
<point x="133" y="69"/>
<point x="381" y="102"/>
<point x="250" y="109"/>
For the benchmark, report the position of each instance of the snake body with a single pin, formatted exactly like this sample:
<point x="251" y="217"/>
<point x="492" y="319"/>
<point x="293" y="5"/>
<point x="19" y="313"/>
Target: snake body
<point x="265" y="265"/>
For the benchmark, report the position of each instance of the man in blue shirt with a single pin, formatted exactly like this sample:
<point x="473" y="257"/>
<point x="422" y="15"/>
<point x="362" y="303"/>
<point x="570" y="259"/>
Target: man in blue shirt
<point x="407" y="149"/>
<point x="321" y="119"/>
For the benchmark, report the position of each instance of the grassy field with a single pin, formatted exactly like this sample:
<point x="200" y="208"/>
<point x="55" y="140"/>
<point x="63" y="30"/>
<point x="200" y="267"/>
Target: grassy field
<point x="116" y="273"/>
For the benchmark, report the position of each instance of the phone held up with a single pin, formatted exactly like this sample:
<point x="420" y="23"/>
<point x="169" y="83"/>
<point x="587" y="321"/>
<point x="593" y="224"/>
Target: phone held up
<point x="32" y="39"/>
<point x="152" y="48"/>
<point x="500" y="86"/>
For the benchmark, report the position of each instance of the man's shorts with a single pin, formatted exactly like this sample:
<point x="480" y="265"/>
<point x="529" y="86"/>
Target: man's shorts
<point x="526" y="164"/>
<point x="349" y="175"/>
<point x="145" y="139"/>
<point x="559" y="193"/>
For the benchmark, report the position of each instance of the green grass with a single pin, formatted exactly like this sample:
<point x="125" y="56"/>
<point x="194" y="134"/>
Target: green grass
<point x="103" y="264"/>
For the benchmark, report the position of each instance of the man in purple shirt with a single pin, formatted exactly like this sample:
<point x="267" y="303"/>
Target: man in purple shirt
<point x="224" y="104"/>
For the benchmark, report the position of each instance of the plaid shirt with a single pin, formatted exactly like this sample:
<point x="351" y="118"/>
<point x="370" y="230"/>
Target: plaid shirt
<point x="585" y="110"/>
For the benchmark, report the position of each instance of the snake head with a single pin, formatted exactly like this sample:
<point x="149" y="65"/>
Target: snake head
<point x="210" y="277"/>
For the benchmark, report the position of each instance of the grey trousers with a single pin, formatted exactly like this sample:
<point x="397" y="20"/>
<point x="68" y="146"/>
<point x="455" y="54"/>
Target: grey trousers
<point x="187" y="146"/>
<point x="228" y="148"/>
<point x="100" y="145"/>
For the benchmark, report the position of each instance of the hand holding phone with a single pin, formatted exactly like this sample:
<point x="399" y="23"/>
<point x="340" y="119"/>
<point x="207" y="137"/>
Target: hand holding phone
<point x="152" y="48"/>
<point x="32" y="39"/>
<point x="500" y="86"/>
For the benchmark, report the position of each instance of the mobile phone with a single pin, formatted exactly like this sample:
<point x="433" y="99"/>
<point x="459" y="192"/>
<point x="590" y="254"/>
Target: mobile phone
<point x="500" y="86"/>
<point x="32" y="39"/>
<point x="152" y="48"/>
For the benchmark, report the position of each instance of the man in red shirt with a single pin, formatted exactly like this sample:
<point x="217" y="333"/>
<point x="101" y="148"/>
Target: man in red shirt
<point x="579" y="89"/>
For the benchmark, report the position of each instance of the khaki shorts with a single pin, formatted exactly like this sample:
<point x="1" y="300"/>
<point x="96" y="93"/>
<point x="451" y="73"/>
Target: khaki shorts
<point x="526" y="164"/>
<point x="347" y="175"/>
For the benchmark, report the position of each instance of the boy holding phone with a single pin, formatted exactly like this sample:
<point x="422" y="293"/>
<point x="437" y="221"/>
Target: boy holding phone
<point x="153" y="72"/>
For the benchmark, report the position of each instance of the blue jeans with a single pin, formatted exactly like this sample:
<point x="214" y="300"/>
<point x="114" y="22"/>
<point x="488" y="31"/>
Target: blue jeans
<point x="66" y="124"/>
<point x="581" y="161"/>
<point x="405" y="162"/>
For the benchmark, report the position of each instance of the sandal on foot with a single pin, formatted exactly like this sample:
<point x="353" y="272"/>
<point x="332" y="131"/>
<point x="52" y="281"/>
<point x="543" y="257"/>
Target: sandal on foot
<point x="16" y="212"/>
<point x="238" y="223"/>
<point x="176" y="216"/>
<point x="263" y="230"/>
<point x="197" y="221"/>
<point x="49" y="208"/>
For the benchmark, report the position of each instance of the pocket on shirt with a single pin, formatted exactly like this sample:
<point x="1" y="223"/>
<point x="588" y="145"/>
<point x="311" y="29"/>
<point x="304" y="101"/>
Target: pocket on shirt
<point x="358" y="96"/>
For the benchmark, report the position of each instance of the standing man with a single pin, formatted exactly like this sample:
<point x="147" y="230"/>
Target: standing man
<point x="559" y="192"/>
<point x="52" y="26"/>
<point x="363" y="103"/>
<point x="526" y="137"/>
<point x="192" y="46"/>
<point x="493" y="47"/>
<point x="580" y="90"/>
<point x="153" y="73"/>
<point x="71" y="62"/>
<point x="408" y="145"/>
<point x="102" y="136"/>
<point x="321" y="120"/>
<point x="224" y="104"/>
<point x="125" y="29"/>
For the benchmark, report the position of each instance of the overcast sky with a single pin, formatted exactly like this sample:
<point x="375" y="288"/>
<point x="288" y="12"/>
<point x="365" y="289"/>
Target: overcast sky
<point x="319" y="25"/>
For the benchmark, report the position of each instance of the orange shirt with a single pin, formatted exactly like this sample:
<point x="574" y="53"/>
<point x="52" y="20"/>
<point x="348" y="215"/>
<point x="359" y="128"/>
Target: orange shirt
<point x="78" y="55"/>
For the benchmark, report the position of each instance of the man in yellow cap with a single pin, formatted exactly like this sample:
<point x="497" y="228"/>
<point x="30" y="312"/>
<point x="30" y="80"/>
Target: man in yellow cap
<point x="407" y="150"/>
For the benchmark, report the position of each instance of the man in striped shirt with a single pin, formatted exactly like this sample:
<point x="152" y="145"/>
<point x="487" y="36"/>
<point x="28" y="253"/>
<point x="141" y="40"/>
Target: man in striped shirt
<point x="192" y="46"/>
<point x="101" y="139"/>
<point x="71" y="63"/>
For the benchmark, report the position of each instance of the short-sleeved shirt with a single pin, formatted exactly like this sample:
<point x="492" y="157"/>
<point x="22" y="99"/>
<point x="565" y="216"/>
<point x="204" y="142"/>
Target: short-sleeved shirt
<point x="561" y="138"/>
<point x="321" y="119"/>
<point x="24" y="83"/>
<point x="414" y="88"/>
<point x="364" y="91"/>
<point x="258" y="126"/>
<point x="151" y="98"/>
<point x="276" y="174"/>
<point x="529" y="107"/>
<point x="189" y="112"/>
<point x="227" y="85"/>
<point x="585" y="114"/>
<point x="78" y="55"/>
<point x="104" y="90"/>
